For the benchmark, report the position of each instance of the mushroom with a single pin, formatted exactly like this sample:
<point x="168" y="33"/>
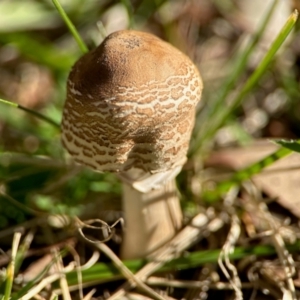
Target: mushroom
<point x="130" y="109"/>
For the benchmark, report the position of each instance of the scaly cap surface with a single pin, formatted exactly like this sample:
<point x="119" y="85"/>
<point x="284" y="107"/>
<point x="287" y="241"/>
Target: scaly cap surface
<point x="131" y="106"/>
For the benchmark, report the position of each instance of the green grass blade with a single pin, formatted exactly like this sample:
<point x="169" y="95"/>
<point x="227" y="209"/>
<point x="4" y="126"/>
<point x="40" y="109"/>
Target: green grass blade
<point x="210" y="112"/>
<point x="199" y="258"/>
<point x="239" y="65"/>
<point x="71" y="27"/>
<point x="293" y="145"/>
<point x="105" y="272"/>
<point x="223" y="187"/>
<point x="254" y="78"/>
<point x="251" y="82"/>
<point x="24" y="247"/>
<point x="32" y="112"/>
<point x="11" y="267"/>
<point x="32" y="283"/>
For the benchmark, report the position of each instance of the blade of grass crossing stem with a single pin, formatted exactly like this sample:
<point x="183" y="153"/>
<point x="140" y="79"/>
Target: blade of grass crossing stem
<point x="32" y="112"/>
<point x="106" y="272"/>
<point x="71" y="26"/>
<point x="239" y="66"/>
<point x="252" y="81"/>
<point x="223" y="187"/>
<point x="211" y="256"/>
<point x="10" y="272"/>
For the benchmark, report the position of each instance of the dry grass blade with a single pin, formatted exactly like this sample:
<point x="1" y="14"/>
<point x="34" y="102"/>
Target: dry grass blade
<point x="59" y="275"/>
<point x="229" y="245"/>
<point x="192" y="284"/>
<point x="127" y="273"/>
<point x="277" y="239"/>
<point x="62" y="280"/>
<point x="40" y="286"/>
<point x="283" y="254"/>
<point x="89" y="295"/>
<point x="224" y="254"/>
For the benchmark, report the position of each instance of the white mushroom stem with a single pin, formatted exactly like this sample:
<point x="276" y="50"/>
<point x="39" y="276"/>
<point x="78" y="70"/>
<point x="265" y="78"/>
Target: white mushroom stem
<point x="151" y="219"/>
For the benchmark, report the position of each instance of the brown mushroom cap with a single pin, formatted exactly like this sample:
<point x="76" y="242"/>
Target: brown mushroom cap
<point x="131" y="105"/>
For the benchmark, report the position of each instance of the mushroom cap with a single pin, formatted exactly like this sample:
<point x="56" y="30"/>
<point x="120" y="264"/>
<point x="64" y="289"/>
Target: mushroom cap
<point x="131" y="106"/>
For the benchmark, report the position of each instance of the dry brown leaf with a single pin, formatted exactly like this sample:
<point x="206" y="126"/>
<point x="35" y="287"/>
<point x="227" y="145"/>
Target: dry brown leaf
<point x="37" y="267"/>
<point x="281" y="180"/>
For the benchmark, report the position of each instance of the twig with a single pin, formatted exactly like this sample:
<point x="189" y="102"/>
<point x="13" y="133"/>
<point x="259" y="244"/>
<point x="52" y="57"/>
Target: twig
<point x="40" y="286"/>
<point x="191" y="284"/>
<point x="283" y="254"/>
<point x="127" y="273"/>
<point x="229" y="245"/>
<point x="226" y="250"/>
<point x="32" y="112"/>
<point x="62" y="279"/>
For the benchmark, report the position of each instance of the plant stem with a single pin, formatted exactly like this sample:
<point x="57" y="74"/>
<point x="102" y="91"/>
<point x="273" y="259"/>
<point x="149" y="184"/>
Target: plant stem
<point x="32" y="112"/>
<point x="71" y="27"/>
<point x="11" y="268"/>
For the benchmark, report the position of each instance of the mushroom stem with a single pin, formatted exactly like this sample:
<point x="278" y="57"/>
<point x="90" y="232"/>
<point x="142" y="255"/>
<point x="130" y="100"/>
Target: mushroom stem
<point x="152" y="219"/>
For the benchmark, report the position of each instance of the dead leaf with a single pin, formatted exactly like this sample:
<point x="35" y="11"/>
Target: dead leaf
<point x="281" y="180"/>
